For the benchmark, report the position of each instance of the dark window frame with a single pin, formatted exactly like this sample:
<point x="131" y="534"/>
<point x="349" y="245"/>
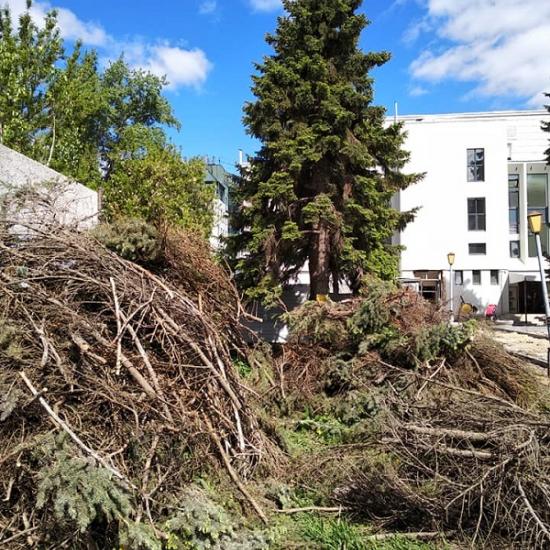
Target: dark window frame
<point x="513" y="210"/>
<point x="542" y="209"/>
<point x="475" y="166"/>
<point x="459" y="277"/>
<point x="494" y="272"/>
<point x="483" y="245"/>
<point x="512" y="243"/>
<point x="476" y="274"/>
<point x="477" y="214"/>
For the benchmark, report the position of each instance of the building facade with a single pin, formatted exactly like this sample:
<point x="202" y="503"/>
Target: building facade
<point x="218" y="176"/>
<point x="484" y="172"/>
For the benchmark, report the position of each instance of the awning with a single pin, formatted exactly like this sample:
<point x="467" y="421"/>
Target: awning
<point x="515" y="278"/>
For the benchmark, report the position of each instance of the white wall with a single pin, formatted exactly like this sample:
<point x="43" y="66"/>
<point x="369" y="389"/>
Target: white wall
<point x="438" y="146"/>
<point x="220" y="228"/>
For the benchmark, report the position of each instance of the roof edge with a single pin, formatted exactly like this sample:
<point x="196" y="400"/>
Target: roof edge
<point x="470" y="115"/>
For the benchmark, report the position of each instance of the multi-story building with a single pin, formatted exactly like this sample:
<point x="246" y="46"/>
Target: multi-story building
<point x="217" y="175"/>
<point x="484" y="172"/>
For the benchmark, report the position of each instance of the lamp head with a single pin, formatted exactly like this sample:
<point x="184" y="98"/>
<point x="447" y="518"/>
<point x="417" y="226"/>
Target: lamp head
<point x="451" y="258"/>
<point x="535" y="222"/>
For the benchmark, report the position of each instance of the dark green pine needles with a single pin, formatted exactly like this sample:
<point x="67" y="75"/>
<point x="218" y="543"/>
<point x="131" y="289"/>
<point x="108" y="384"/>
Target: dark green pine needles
<point x="318" y="193"/>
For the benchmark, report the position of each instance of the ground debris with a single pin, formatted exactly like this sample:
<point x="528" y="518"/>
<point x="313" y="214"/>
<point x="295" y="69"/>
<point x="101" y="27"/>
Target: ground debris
<point x="417" y="425"/>
<point x="133" y="372"/>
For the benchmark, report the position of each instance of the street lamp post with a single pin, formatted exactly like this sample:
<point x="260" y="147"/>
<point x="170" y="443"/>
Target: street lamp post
<point x="451" y="260"/>
<point x="535" y="226"/>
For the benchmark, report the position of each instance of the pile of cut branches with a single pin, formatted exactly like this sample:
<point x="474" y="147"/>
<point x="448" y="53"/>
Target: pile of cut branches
<point x="459" y="460"/>
<point x="184" y="258"/>
<point x="450" y="432"/>
<point x="395" y="324"/>
<point x="134" y="374"/>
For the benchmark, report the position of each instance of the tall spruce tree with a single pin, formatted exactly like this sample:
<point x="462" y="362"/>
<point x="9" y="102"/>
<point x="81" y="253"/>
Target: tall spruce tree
<point x="320" y="188"/>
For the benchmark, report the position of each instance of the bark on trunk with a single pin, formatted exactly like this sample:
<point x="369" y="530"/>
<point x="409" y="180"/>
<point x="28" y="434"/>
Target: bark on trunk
<point x="320" y="248"/>
<point x="319" y="262"/>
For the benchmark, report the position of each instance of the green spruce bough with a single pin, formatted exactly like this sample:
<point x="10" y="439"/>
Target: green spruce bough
<point x="319" y="190"/>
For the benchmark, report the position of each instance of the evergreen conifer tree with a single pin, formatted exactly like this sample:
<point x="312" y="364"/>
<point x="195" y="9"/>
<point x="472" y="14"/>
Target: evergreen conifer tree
<point x="319" y="190"/>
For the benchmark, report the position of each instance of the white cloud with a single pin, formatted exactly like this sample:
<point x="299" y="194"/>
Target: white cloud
<point x="417" y="91"/>
<point x="500" y="45"/>
<point x="208" y="7"/>
<point x="266" y="5"/>
<point x="182" y="67"/>
<point x="75" y="29"/>
<point x="71" y="27"/>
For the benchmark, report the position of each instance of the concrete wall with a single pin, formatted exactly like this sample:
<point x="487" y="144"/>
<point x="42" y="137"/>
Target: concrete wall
<point x="56" y="197"/>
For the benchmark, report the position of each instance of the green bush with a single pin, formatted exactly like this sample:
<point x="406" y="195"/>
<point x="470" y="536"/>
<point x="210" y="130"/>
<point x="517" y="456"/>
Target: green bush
<point x="131" y="239"/>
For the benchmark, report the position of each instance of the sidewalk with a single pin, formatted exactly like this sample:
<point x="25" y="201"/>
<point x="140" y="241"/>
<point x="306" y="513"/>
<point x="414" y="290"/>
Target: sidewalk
<point x="531" y="330"/>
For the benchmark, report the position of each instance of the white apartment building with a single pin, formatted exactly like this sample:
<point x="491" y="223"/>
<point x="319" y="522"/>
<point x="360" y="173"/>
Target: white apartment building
<point x="484" y="173"/>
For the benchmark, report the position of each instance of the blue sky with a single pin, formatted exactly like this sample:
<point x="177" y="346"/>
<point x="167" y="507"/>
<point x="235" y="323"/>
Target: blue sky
<point x="448" y="55"/>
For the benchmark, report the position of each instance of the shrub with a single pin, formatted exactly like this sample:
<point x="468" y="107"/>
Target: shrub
<point x="132" y="239"/>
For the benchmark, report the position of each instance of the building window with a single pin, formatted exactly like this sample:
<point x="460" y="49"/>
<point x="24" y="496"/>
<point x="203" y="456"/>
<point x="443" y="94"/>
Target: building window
<point x="515" y="250"/>
<point x="222" y="192"/>
<point x="476" y="277"/>
<point x="495" y="277"/>
<point x="537" y="201"/>
<point x="477" y="248"/>
<point x="476" y="214"/>
<point x="459" y="278"/>
<point x="476" y="164"/>
<point x="513" y="203"/>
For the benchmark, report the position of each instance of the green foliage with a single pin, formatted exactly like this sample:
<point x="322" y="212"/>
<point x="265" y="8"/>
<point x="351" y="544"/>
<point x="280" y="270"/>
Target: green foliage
<point x="373" y="313"/>
<point x="313" y="323"/>
<point x="203" y="524"/>
<point x="378" y="321"/>
<point x="61" y="109"/>
<point x="243" y="367"/>
<point x="78" y="490"/>
<point x="151" y="181"/>
<point x="28" y="56"/>
<point x="137" y="536"/>
<point x="338" y="534"/>
<point x="332" y="534"/>
<point x="426" y="344"/>
<point x="78" y="108"/>
<point x="201" y="521"/>
<point x="10" y="341"/>
<point x="132" y="239"/>
<point x="10" y="399"/>
<point x="443" y="340"/>
<point x="320" y="187"/>
<point x="328" y="428"/>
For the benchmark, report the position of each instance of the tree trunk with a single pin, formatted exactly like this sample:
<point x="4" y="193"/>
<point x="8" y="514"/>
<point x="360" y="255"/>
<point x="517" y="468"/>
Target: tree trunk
<point x="319" y="262"/>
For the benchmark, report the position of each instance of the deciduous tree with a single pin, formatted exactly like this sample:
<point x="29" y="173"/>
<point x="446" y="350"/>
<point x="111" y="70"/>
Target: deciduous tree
<point x="152" y="182"/>
<point x="60" y="109"/>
